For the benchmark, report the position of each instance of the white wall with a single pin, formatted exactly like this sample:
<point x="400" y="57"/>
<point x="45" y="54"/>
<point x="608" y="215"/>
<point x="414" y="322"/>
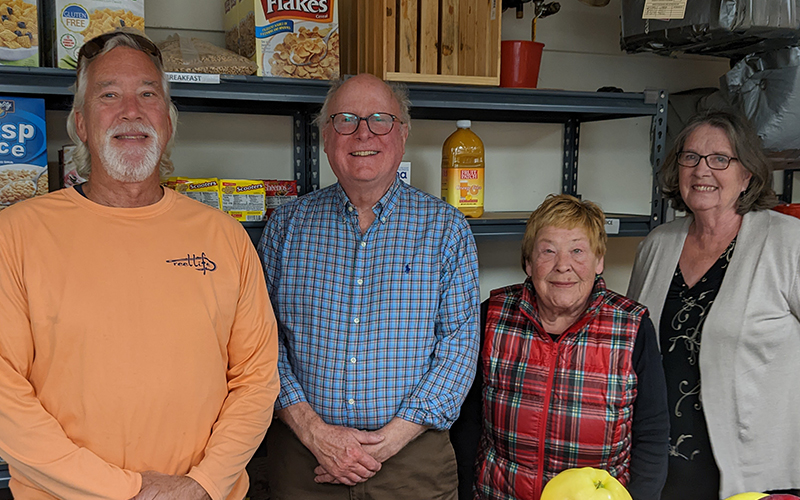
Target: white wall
<point x="523" y="161"/>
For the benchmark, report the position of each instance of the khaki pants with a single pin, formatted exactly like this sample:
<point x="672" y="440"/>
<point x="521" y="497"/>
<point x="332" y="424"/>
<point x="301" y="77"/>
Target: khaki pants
<point x="424" y="470"/>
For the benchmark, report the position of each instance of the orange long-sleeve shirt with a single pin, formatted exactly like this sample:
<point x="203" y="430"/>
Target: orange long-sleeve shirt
<point x="130" y="339"/>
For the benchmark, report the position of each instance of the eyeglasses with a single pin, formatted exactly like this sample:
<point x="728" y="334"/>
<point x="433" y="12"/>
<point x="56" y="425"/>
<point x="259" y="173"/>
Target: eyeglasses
<point x="714" y="161"/>
<point x="378" y="123"/>
<point x="94" y="46"/>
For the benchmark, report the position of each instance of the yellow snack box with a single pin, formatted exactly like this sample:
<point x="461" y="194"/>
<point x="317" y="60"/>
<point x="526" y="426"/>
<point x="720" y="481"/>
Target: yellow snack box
<point x="243" y="199"/>
<point x="204" y="190"/>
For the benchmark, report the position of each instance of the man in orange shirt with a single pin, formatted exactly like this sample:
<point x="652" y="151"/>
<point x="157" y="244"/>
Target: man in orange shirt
<point x="138" y="346"/>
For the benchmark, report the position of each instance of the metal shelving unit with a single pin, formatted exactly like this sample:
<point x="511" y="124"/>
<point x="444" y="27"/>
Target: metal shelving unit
<point x="301" y="99"/>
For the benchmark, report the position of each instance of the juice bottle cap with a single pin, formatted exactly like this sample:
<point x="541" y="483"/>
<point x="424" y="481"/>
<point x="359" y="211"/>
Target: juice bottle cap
<point x="464" y="123"/>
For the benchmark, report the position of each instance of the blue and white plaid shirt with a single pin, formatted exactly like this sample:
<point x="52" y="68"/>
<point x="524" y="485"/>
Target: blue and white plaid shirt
<point x="378" y="325"/>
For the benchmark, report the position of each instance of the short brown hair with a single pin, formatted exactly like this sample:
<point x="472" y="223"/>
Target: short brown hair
<point x="567" y="212"/>
<point x="746" y="145"/>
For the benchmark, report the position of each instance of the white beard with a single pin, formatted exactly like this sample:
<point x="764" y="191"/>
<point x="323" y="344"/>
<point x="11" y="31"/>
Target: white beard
<point x="130" y="164"/>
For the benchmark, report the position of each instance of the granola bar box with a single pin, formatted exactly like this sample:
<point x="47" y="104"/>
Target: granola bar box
<point x="23" y="149"/>
<point x="19" y="33"/>
<point x="287" y="38"/>
<point x="68" y="23"/>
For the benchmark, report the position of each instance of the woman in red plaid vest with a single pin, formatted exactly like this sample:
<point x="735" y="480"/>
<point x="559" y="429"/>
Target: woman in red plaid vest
<point x="571" y="372"/>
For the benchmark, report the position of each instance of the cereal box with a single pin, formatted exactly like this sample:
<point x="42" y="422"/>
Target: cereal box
<point x="243" y="199"/>
<point x="289" y="38"/>
<point x="68" y="170"/>
<point x="278" y="193"/>
<point x="71" y="22"/>
<point x="23" y="149"/>
<point x="203" y="190"/>
<point x="19" y="38"/>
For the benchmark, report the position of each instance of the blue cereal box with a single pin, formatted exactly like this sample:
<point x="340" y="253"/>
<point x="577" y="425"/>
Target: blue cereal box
<point x="23" y="149"/>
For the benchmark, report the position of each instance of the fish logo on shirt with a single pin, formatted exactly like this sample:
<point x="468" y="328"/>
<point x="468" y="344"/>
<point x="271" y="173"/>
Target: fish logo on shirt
<point x="198" y="262"/>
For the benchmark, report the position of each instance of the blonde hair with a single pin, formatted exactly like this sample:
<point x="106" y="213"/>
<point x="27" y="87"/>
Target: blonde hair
<point x="566" y="212"/>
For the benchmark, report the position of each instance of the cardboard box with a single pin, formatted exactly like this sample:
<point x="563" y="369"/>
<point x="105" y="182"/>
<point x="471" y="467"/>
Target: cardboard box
<point x="284" y="37"/>
<point x="23" y="149"/>
<point x="278" y="193"/>
<point x="71" y="22"/>
<point x="19" y="33"/>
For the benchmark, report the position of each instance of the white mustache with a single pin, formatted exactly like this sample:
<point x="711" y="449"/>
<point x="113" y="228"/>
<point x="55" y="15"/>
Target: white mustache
<point x="132" y="128"/>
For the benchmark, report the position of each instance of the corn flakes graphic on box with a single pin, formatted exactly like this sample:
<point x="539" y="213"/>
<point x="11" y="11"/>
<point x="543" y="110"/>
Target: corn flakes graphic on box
<point x="288" y="38"/>
<point x="74" y="22"/>
<point x="19" y="33"/>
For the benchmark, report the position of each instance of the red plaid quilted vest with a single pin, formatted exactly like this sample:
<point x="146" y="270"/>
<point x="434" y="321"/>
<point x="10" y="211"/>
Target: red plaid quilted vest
<point x="553" y="405"/>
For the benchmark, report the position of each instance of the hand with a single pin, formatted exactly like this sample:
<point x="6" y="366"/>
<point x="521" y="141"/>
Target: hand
<point x="157" y="486"/>
<point x="397" y="433"/>
<point x="340" y="452"/>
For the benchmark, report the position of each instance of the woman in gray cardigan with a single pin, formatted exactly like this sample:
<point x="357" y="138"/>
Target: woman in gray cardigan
<point x="727" y="274"/>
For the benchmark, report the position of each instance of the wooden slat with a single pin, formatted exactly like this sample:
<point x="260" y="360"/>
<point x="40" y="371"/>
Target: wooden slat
<point x="390" y="39"/>
<point x="407" y="37"/>
<point x="466" y="36"/>
<point x="450" y="40"/>
<point x="482" y="42"/>
<point x="448" y="79"/>
<point x="429" y="37"/>
<point x="495" y="37"/>
<point x="347" y="44"/>
<point x="361" y="37"/>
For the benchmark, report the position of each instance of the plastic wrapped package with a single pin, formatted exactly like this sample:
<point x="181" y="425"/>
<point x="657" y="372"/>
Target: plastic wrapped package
<point x="766" y="87"/>
<point x="727" y="28"/>
<point x="193" y="55"/>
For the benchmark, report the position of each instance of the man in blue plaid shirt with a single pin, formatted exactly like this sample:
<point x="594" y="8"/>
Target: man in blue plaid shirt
<point x="375" y="287"/>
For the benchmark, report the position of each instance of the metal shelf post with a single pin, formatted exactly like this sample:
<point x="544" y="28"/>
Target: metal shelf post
<point x="658" y="131"/>
<point x="569" y="181"/>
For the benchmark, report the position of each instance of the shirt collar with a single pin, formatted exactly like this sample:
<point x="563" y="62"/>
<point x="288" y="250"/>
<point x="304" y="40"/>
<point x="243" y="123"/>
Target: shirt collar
<point x="383" y="208"/>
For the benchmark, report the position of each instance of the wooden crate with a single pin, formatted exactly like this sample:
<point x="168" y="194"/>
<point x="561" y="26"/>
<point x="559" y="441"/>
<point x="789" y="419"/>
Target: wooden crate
<point x="426" y="41"/>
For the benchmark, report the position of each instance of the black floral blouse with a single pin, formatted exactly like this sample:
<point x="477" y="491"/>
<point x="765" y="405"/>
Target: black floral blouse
<point x="693" y="472"/>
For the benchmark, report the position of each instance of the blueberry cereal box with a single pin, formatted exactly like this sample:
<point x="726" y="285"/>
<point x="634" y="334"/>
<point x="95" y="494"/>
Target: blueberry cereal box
<point x="287" y="38"/>
<point x="23" y="150"/>
<point x="19" y="33"/>
<point x="74" y="22"/>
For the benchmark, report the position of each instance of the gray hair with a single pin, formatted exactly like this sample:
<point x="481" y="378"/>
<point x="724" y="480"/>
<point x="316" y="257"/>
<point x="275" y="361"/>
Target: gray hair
<point x="398" y="90"/>
<point x="746" y="145"/>
<point x="82" y="157"/>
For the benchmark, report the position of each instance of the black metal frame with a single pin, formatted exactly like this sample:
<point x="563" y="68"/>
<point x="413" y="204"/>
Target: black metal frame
<point x="301" y="99"/>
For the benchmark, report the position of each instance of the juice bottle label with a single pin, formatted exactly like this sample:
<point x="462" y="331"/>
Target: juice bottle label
<point x="463" y="187"/>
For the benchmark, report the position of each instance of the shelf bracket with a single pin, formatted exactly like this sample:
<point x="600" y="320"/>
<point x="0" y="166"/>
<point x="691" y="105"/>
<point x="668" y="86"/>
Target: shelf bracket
<point x="569" y="181"/>
<point x="788" y="184"/>
<point x="658" y="142"/>
<point x="305" y="146"/>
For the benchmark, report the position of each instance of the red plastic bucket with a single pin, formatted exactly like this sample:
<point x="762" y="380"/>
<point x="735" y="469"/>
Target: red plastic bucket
<point x="519" y="63"/>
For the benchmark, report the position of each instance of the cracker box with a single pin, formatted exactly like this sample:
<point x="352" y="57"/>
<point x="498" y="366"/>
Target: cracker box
<point x="278" y="193"/>
<point x="71" y="22"/>
<point x="23" y="149"/>
<point x="243" y="199"/>
<point x="19" y="38"/>
<point x="203" y="190"/>
<point x="289" y="38"/>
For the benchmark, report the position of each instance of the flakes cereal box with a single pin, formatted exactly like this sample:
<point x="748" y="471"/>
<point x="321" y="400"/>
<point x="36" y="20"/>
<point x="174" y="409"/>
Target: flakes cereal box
<point x="288" y="38"/>
<point x="71" y="22"/>
<point x="23" y="149"/>
<point x="19" y="33"/>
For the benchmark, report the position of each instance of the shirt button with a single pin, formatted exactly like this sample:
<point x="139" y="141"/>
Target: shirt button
<point x="353" y="360"/>
<point x="351" y="401"/>
<point x="383" y="219"/>
<point x="360" y="281"/>
<point x="363" y="244"/>
<point x="349" y="209"/>
<point x="356" y="321"/>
